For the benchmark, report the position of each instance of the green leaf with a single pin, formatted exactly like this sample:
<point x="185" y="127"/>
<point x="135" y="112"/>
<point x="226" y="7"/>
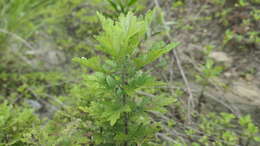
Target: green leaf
<point x="155" y="52"/>
<point x="226" y="117"/>
<point x="114" y="5"/>
<point x="257" y="139"/>
<point x="93" y="63"/>
<point x="111" y="83"/>
<point x="113" y="118"/>
<point x="131" y="2"/>
<point x="209" y="63"/>
<point x="217" y="70"/>
<point x="142" y="80"/>
<point x="245" y="120"/>
<point x="159" y="103"/>
<point x="149" y="16"/>
<point x="121" y="38"/>
<point x="252" y="128"/>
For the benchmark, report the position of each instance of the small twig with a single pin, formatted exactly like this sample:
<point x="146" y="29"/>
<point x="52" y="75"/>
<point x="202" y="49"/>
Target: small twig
<point x="234" y="111"/>
<point x="17" y="37"/>
<point x="21" y="40"/>
<point x="165" y="137"/>
<point x="49" y="96"/>
<point x="146" y="94"/>
<point x="190" y="100"/>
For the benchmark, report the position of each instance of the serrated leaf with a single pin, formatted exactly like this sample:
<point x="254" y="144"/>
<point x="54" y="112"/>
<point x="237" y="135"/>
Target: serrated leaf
<point x="153" y="54"/>
<point x="93" y="63"/>
<point x="142" y="80"/>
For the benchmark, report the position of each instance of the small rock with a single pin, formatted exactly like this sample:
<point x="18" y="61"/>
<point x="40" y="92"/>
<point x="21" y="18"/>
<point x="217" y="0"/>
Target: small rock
<point x="228" y="74"/>
<point x="34" y="104"/>
<point x="248" y="94"/>
<point x="249" y="77"/>
<point x="220" y="57"/>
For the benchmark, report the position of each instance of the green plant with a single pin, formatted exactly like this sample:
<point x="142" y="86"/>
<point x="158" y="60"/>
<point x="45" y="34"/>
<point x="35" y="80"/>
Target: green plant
<point x="122" y="6"/>
<point x="75" y="33"/>
<point x="178" y="3"/>
<point x="218" y="130"/>
<point x="250" y="130"/>
<point x="64" y="129"/>
<point x="208" y="73"/>
<point x="119" y="115"/>
<point x="240" y="22"/>
<point x="209" y="70"/>
<point x="241" y="3"/>
<point x="16" y="125"/>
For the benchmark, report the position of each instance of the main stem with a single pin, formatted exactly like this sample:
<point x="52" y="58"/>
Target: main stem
<point x="125" y="120"/>
<point x="124" y="77"/>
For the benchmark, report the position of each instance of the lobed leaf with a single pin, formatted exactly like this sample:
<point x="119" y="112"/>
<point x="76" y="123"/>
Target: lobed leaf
<point x="121" y="38"/>
<point x="93" y="63"/>
<point x="157" y="51"/>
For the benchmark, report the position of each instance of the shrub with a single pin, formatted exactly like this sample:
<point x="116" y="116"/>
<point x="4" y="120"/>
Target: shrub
<point x="16" y="125"/>
<point x="119" y="115"/>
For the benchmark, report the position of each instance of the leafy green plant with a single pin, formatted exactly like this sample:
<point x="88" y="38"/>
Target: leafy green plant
<point x="63" y="129"/>
<point x="250" y="130"/>
<point x="240" y="22"/>
<point x="219" y="130"/>
<point x="119" y="115"/>
<point x="223" y="129"/>
<point x="209" y="70"/>
<point x="16" y="125"/>
<point x="178" y="3"/>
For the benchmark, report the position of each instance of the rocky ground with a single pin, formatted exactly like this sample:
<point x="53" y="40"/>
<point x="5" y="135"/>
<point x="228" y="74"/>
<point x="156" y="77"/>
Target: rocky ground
<point x="240" y="80"/>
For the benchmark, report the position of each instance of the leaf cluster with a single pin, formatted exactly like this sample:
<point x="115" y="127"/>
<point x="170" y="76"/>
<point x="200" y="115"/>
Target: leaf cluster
<point x="16" y="125"/>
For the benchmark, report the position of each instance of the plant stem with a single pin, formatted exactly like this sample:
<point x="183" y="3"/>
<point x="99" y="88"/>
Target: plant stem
<point x="124" y="77"/>
<point x="125" y="121"/>
<point x="248" y="141"/>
